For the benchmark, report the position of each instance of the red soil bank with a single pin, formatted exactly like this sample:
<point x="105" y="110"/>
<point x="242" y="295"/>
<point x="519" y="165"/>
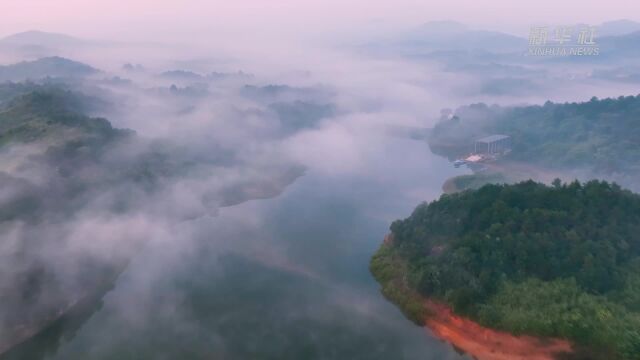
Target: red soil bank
<point x="486" y="344"/>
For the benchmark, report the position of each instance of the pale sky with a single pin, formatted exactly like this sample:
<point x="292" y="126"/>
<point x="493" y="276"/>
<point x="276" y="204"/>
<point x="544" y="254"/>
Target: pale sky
<point x="153" y="19"/>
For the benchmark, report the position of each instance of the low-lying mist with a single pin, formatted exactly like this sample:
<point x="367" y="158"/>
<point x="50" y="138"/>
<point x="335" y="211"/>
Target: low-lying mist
<point x="236" y="216"/>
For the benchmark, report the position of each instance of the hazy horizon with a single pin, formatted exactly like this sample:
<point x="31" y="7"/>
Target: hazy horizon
<point x="141" y="20"/>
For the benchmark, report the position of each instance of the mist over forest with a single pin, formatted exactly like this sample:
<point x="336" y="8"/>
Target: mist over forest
<point x="175" y="199"/>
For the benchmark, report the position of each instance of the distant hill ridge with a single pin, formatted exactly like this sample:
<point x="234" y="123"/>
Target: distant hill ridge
<point x="42" y="38"/>
<point x="53" y="66"/>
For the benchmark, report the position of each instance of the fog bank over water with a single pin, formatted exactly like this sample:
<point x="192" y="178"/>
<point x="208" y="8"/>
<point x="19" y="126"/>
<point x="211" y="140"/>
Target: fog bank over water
<point x="258" y="174"/>
<point x="207" y="275"/>
<point x="284" y="277"/>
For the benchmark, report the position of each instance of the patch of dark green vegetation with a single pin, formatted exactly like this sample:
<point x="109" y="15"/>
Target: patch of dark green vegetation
<point x="51" y="113"/>
<point x="554" y="261"/>
<point x="474" y="181"/>
<point x="600" y="135"/>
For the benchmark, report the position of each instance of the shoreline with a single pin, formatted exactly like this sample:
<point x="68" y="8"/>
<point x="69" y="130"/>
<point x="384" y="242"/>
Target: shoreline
<point x="483" y="343"/>
<point x="79" y="306"/>
<point x="464" y="334"/>
<point x="74" y="308"/>
<point x="439" y="320"/>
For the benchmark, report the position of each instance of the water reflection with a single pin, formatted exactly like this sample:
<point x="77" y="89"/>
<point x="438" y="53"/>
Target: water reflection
<point x="47" y="341"/>
<point x="285" y="278"/>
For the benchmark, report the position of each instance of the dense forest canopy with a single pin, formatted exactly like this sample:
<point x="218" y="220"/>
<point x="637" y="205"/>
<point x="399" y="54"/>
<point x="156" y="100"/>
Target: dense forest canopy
<point x="560" y="261"/>
<point x="52" y="115"/>
<point x="601" y="135"/>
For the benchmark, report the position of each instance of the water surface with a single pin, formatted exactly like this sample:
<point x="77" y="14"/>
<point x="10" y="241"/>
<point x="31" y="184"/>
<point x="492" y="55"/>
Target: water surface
<point x="282" y="278"/>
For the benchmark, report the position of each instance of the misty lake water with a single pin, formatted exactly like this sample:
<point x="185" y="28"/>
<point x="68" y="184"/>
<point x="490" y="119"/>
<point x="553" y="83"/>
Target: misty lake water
<point x="282" y="278"/>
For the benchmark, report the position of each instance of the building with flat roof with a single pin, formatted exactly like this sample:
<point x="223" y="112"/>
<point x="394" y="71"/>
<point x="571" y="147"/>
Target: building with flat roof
<point x="494" y="144"/>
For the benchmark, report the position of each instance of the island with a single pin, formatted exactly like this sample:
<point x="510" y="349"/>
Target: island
<point x="521" y="271"/>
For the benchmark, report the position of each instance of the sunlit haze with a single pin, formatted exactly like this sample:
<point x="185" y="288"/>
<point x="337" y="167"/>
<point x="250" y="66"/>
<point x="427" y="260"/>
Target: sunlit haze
<point x="176" y="20"/>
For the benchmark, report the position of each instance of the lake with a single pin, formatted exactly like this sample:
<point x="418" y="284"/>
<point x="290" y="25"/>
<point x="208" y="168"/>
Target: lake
<point x="282" y="278"/>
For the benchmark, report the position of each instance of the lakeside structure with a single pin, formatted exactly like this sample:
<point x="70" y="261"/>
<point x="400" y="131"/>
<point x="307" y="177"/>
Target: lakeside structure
<point x="494" y="144"/>
<point x="486" y="149"/>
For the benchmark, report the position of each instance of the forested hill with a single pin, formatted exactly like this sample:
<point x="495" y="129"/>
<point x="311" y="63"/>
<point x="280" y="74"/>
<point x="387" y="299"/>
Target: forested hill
<point x="601" y="135"/>
<point x="48" y="67"/>
<point x="52" y="115"/>
<point x="555" y="261"/>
